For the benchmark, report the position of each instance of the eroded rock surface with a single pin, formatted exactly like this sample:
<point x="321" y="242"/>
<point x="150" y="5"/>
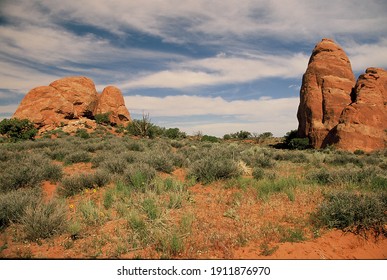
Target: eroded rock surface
<point x="69" y="99"/>
<point x="325" y="91"/>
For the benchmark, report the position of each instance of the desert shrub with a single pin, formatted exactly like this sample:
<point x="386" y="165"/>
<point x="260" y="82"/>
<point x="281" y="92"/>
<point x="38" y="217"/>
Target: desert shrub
<point x="72" y="185"/>
<point x="359" y="152"/>
<point x="177" y="144"/>
<point x="76" y="157"/>
<point x="208" y="138"/>
<point x="161" y="161"/>
<point x="143" y="127"/>
<point x="343" y="158"/>
<point x="14" y="203"/>
<point x="101" y="178"/>
<point x="299" y="143"/>
<point x="135" y="146"/>
<point x="365" y="177"/>
<point x="209" y="169"/>
<point x="378" y="182"/>
<point x="321" y="176"/>
<point x="263" y="161"/>
<point x="139" y="175"/>
<point x="27" y="170"/>
<point x="242" y="134"/>
<point x="258" y="173"/>
<point x="82" y="133"/>
<point x="353" y="212"/>
<point x="58" y="154"/>
<point x="174" y="133"/>
<point x="293" y="141"/>
<point x="43" y="220"/>
<point x="114" y="165"/>
<point x="90" y="213"/>
<point x="52" y="172"/>
<point x="102" y="118"/>
<point x="15" y="129"/>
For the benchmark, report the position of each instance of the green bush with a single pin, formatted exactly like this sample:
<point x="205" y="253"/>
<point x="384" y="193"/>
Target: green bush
<point x="353" y="212"/>
<point x="77" y="183"/>
<point x="161" y="161"/>
<point x="82" y="133"/>
<point x="76" y="157"/>
<point x="27" y="170"/>
<point x="258" y="173"/>
<point x="364" y="177"/>
<point x="208" y="138"/>
<point x="139" y="176"/>
<point x="43" y="220"/>
<point x="174" y="133"/>
<point x="102" y="118"/>
<point x="292" y="141"/>
<point x="211" y="168"/>
<point x="15" y="129"/>
<point x="299" y="143"/>
<point x="114" y="165"/>
<point x="343" y="158"/>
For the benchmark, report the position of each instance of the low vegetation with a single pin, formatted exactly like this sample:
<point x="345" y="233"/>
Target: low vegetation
<point x="118" y="196"/>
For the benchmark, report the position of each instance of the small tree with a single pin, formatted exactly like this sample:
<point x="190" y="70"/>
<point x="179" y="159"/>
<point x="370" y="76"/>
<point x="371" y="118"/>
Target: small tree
<point x="141" y="127"/>
<point x="15" y="129"/>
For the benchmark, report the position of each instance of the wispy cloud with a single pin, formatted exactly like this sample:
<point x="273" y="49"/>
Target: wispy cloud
<point x="223" y="70"/>
<point x="185" y="46"/>
<point x="259" y="114"/>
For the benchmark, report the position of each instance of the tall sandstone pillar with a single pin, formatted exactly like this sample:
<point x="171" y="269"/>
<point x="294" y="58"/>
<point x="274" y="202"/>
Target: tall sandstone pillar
<point x="325" y="91"/>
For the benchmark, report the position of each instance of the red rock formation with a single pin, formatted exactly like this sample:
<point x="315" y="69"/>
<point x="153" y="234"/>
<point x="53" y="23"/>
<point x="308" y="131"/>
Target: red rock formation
<point x="334" y="110"/>
<point x="68" y="99"/>
<point x="363" y="124"/>
<point x="81" y="92"/>
<point x="111" y="101"/>
<point x="46" y="107"/>
<point x="325" y="91"/>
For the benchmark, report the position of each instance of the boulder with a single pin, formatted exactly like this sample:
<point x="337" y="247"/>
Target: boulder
<point x="46" y="107"/>
<point x="325" y="91"/>
<point x="81" y="92"/>
<point x="112" y="102"/>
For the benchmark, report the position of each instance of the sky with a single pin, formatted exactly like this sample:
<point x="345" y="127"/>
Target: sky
<point x="209" y="66"/>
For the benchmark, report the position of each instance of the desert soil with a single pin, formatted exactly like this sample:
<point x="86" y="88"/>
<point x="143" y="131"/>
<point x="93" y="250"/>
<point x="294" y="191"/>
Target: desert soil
<point x="227" y="225"/>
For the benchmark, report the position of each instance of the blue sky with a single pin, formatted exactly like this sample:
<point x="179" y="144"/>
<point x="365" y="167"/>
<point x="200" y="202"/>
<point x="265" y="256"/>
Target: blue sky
<point x="212" y="66"/>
